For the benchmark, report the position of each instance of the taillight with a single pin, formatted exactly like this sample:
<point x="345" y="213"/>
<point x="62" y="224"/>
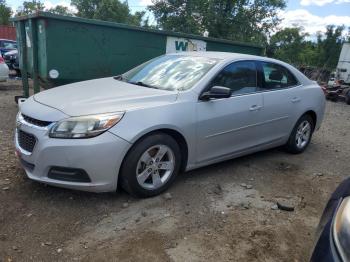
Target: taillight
<point x="2" y="61"/>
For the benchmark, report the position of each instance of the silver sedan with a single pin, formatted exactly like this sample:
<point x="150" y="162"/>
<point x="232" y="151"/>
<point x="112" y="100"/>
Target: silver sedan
<point x="171" y="114"/>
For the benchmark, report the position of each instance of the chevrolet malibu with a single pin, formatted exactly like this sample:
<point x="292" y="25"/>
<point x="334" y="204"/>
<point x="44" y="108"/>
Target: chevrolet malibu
<point x="171" y="114"/>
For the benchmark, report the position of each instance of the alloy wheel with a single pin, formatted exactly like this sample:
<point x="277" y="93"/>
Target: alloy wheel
<point x="155" y="167"/>
<point x="303" y="134"/>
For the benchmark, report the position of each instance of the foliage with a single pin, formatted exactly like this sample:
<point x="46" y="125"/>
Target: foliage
<point x="60" y="10"/>
<point x="86" y="8"/>
<point x="291" y="45"/>
<point x="108" y="10"/>
<point x="329" y="48"/>
<point x="288" y="45"/>
<point x="240" y="20"/>
<point x="251" y="21"/>
<point x="5" y="13"/>
<point x="183" y="16"/>
<point x="30" y="7"/>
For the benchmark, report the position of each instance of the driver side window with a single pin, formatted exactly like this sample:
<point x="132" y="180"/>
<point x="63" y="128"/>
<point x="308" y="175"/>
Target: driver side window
<point x="240" y="77"/>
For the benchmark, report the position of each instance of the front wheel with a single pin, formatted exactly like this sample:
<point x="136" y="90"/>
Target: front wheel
<point x="151" y="165"/>
<point x="301" y="135"/>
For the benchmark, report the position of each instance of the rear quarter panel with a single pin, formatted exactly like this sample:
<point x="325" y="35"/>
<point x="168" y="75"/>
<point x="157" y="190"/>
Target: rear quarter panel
<point x="312" y="99"/>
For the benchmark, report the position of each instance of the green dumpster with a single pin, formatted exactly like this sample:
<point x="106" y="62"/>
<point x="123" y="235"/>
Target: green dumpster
<point x="56" y="50"/>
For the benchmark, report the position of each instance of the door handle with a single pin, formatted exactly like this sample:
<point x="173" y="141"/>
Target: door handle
<point x="255" y="108"/>
<point x="296" y="100"/>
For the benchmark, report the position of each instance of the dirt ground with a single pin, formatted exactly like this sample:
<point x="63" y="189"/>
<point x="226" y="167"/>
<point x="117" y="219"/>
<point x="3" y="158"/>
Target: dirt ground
<point x="210" y="215"/>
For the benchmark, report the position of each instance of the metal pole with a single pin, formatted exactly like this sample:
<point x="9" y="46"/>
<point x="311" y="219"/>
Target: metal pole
<point x="34" y="40"/>
<point x="23" y="56"/>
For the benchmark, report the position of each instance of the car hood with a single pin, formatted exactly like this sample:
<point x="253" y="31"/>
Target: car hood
<point x="103" y="96"/>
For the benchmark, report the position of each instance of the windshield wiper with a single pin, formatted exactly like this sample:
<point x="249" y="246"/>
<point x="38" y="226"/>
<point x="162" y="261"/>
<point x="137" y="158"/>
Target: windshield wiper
<point x="140" y="83"/>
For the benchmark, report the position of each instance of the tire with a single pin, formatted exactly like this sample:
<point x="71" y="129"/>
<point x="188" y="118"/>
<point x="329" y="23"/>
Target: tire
<point x="347" y="98"/>
<point x="297" y="145"/>
<point x="18" y="73"/>
<point x="142" y="168"/>
<point x="334" y="98"/>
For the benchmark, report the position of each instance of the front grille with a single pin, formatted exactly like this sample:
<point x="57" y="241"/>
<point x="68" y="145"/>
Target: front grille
<point x="35" y="122"/>
<point x="26" y="141"/>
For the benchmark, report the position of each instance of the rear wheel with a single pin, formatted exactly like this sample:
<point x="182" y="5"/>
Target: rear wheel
<point x="151" y="165"/>
<point x="301" y="135"/>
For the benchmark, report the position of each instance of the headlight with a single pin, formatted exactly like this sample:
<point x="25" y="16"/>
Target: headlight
<point x="341" y="230"/>
<point x="84" y="126"/>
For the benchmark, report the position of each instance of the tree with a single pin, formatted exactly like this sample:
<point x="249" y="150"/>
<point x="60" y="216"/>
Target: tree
<point x="240" y="20"/>
<point x="287" y="45"/>
<point x="330" y="46"/>
<point x="243" y="20"/>
<point x="5" y="13"/>
<point x="182" y="16"/>
<point x="30" y="7"/>
<point x="112" y="10"/>
<point x="108" y="10"/>
<point x="60" y="10"/>
<point x="137" y="19"/>
<point x="86" y="8"/>
<point x="291" y="45"/>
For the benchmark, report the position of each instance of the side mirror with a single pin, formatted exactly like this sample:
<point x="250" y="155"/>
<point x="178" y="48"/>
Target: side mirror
<point x="216" y="92"/>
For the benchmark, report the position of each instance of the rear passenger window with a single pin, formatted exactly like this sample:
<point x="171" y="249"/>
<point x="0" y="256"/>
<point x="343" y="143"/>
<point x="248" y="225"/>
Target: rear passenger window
<point x="276" y="77"/>
<point x="240" y="77"/>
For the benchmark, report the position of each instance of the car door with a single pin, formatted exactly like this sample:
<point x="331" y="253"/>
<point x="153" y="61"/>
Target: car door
<point x="281" y="94"/>
<point x="226" y="126"/>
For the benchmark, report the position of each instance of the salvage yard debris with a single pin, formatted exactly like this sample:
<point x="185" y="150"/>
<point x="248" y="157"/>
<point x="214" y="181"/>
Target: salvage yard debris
<point x="285" y="206"/>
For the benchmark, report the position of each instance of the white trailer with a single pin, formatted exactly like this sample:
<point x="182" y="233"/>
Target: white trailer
<point x="343" y="67"/>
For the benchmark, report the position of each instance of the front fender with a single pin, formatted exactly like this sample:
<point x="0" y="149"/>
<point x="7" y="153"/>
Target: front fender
<point x="179" y="117"/>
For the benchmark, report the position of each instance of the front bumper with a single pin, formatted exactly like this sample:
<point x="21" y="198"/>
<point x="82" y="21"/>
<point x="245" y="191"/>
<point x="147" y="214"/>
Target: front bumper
<point x="100" y="157"/>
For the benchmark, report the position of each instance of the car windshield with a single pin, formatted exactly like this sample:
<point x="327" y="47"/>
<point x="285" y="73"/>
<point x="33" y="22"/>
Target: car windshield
<point x="170" y="72"/>
<point x="10" y="45"/>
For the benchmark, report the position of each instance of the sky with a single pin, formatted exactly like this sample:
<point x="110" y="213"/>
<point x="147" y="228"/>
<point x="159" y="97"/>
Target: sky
<point x="312" y="15"/>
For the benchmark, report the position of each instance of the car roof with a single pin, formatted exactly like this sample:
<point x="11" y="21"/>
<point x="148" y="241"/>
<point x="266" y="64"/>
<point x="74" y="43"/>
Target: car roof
<point x="227" y="56"/>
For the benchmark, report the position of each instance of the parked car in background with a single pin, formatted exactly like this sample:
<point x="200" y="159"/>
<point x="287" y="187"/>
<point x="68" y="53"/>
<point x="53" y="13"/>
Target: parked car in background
<point x="333" y="231"/>
<point x="7" y="45"/>
<point x="12" y="61"/>
<point x="4" y="70"/>
<point x="173" y="113"/>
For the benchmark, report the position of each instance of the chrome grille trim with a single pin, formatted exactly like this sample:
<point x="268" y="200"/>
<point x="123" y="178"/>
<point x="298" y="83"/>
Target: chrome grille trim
<point x="35" y="122"/>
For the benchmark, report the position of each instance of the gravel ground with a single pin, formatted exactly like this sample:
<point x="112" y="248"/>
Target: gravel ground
<point x="218" y="213"/>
